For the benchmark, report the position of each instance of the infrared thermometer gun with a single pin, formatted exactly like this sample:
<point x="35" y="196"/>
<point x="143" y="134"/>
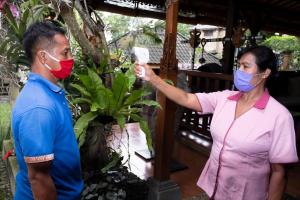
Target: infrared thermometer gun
<point x="141" y="56"/>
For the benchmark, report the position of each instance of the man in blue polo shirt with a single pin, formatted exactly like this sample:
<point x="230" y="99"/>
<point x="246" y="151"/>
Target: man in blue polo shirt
<point x="45" y="143"/>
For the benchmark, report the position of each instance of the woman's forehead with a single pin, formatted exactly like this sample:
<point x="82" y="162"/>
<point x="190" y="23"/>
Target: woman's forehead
<point x="247" y="58"/>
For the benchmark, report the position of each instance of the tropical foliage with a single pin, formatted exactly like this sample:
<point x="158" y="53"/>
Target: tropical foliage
<point x="119" y="25"/>
<point x="286" y="44"/>
<point x="11" y="46"/>
<point x="121" y="102"/>
<point x="283" y="43"/>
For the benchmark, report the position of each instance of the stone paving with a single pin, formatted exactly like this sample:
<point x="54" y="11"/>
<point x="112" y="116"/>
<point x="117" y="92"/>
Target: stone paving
<point x="5" y="193"/>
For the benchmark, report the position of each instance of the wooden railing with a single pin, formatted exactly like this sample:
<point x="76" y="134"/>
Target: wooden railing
<point x="208" y="82"/>
<point x="4" y="90"/>
<point x="194" y="128"/>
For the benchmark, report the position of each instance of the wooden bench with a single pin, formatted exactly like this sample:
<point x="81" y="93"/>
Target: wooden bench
<point x="194" y="128"/>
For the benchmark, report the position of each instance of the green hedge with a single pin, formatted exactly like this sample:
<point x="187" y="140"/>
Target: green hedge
<point x="286" y="43"/>
<point x="5" y="119"/>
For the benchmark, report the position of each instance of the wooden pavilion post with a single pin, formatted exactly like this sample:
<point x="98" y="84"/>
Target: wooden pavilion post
<point x="161" y="186"/>
<point x="166" y="116"/>
<point x="228" y="51"/>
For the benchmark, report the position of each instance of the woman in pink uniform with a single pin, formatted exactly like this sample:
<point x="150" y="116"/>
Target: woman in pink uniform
<point x="253" y="134"/>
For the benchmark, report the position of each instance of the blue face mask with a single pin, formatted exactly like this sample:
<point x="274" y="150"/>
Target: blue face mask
<point x="242" y="81"/>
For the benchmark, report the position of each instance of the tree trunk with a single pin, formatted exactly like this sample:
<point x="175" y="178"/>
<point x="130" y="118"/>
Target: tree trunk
<point x="94" y="31"/>
<point x="92" y="39"/>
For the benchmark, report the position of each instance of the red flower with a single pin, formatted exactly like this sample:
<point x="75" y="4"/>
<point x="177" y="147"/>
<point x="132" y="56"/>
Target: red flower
<point x="2" y="3"/>
<point x="8" y="153"/>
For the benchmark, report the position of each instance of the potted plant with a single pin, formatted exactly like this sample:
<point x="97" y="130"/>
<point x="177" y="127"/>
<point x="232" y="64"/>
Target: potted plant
<point x="100" y="108"/>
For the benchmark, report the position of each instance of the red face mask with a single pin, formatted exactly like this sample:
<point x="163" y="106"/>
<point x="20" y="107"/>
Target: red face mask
<point x="65" y="70"/>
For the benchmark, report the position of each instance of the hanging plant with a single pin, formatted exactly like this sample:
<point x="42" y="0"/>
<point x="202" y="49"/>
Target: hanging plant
<point x="119" y="104"/>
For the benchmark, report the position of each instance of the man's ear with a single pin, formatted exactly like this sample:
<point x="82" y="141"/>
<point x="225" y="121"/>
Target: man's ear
<point x="267" y="73"/>
<point x="41" y="55"/>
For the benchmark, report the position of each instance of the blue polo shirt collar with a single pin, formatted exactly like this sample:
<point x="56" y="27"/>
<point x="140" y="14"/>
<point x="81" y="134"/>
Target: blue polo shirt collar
<point x="49" y="84"/>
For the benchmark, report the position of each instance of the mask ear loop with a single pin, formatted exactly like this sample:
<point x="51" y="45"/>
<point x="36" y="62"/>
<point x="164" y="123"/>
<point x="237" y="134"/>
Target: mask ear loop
<point x="45" y="64"/>
<point x="51" y="56"/>
<point x="263" y="77"/>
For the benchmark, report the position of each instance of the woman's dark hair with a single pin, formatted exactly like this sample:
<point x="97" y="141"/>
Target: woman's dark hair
<point x="40" y="34"/>
<point x="264" y="58"/>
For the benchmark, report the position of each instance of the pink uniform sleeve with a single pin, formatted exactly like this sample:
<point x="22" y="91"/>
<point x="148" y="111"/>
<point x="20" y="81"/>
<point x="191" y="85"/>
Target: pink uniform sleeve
<point x="283" y="145"/>
<point x="209" y="101"/>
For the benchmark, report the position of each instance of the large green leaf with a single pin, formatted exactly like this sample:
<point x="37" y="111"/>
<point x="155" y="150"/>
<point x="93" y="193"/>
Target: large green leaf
<point x="11" y="20"/>
<point x="95" y="79"/>
<point x="82" y="124"/>
<point x="145" y="128"/>
<point x="95" y="106"/>
<point x="136" y="117"/>
<point x="148" y="103"/>
<point x="121" y="120"/>
<point x="112" y="108"/>
<point x="86" y="80"/>
<point x="135" y="96"/>
<point x="81" y="100"/>
<point x="131" y="78"/>
<point x="81" y="89"/>
<point x="102" y="99"/>
<point x="23" y="23"/>
<point x="119" y="88"/>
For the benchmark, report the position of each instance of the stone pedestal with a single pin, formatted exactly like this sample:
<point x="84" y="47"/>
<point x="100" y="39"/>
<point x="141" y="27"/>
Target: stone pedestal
<point x="163" y="190"/>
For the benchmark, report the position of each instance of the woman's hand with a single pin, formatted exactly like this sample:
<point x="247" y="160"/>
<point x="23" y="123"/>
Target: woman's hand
<point x="175" y="94"/>
<point x="148" y="73"/>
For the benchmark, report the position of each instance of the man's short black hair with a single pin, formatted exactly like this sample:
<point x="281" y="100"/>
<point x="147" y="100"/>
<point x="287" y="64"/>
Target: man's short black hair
<point x="40" y="34"/>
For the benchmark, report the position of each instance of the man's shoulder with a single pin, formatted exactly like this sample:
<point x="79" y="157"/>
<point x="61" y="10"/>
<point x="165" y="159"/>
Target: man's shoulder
<point x="33" y="95"/>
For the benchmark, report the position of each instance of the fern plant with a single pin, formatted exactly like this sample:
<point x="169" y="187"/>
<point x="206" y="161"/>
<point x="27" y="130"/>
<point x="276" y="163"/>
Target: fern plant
<point x="120" y="103"/>
<point x="11" y="46"/>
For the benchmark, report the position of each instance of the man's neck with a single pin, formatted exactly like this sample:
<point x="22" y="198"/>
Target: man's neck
<point x="45" y="73"/>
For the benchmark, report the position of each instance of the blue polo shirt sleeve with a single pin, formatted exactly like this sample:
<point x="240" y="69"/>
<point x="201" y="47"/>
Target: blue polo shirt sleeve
<point x="37" y="135"/>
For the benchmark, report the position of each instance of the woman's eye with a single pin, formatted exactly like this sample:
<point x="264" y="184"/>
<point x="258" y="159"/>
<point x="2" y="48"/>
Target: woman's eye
<point x="241" y="66"/>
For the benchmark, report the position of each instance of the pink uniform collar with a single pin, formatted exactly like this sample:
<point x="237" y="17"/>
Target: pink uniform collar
<point x="260" y="103"/>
